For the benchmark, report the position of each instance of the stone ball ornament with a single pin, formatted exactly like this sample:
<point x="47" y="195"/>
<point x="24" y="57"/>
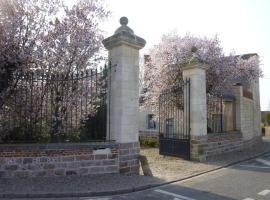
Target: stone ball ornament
<point x="123" y="21"/>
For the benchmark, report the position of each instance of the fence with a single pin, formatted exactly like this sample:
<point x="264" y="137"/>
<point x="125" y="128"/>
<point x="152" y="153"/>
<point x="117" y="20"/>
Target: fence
<point x="54" y="107"/>
<point x="214" y="113"/>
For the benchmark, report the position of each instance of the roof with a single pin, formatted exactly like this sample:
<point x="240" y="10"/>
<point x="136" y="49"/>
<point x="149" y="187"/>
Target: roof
<point x="247" y="56"/>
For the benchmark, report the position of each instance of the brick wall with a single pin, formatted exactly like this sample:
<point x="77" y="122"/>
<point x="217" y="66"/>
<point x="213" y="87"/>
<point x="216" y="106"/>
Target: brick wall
<point x="58" y="159"/>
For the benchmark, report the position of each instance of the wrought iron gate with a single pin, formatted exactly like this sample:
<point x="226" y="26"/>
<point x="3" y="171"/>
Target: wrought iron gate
<point x="174" y="120"/>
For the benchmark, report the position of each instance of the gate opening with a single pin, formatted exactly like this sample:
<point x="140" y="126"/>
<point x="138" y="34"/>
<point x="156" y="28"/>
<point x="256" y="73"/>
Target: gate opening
<point x="174" y="121"/>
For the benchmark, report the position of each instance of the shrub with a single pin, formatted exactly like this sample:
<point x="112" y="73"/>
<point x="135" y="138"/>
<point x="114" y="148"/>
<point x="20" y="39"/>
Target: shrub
<point x="267" y="119"/>
<point x="149" y="142"/>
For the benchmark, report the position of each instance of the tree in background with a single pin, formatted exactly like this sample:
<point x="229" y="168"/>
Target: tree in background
<point x="48" y="37"/>
<point x="164" y="67"/>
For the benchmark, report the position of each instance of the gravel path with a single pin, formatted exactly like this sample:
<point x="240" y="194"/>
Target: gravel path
<point x="171" y="168"/>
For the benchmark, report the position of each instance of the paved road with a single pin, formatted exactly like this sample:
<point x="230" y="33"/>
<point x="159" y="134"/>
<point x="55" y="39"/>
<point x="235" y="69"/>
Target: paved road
<point x="248" y="180"/>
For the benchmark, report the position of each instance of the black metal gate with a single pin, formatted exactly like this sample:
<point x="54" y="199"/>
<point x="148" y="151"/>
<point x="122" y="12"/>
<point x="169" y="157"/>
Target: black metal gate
<point x="174" y="120"/>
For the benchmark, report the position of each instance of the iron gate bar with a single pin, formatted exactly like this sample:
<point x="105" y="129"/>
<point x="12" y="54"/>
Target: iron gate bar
<point x="174" y="120"/>
<point x="215" y="113"/>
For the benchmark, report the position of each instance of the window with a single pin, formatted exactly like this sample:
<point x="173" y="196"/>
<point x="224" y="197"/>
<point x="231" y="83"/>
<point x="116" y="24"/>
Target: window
<point x="151" y="123"/>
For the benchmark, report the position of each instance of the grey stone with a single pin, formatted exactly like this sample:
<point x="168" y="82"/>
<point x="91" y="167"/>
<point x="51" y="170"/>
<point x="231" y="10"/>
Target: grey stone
<point x="135" y="169"/>
<point x="27" y="160"/>
<point x="109" y="162"/>
<point x="94" y="170"/>
<point x="21" y="174"/>
<point x="59" y="172"/>
<point x="48" y="166"/>
<point x="41" y="173"/>
<point x="129" y="157"/>
<point x="136" y="145"/>
<point x="100" y="157"/>
<point x="33" y="166"/>
<point x="111" y="169"/>
<point x="126" y="146"/>
<point x="134" y="151"/>
<point x="91" y="163"/>
<point x="2" y="161"/>
<point x="18" y="160"/>
<point x="43" y="159"/>
<point x="73" y="165"/>
<point x="71" y="172"/>
<point x="124" y="170"/>
<point x="124" y="151"/>
<point x="83" y="171"/>
<point x="123" y="164"/>
<point x="11" y="167"/>
<point x="112" y="156"/>
<point x="3" y="174"/>
<point x="61" y="165"/>
<point x="67" y="158"/>
<point x="84" y="157"/>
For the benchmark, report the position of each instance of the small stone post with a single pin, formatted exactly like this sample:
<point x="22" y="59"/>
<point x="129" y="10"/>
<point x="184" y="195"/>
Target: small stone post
<point x="122" y="117"/>
<point x="195" y="70"/>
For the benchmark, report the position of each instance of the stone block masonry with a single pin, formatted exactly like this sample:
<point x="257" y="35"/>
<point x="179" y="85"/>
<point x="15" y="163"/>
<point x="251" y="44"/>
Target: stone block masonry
<point x="129" y="158"/>
<point x="206" y="146"/>
<point x="148" y="135"/>
<point x="34" y="160"/>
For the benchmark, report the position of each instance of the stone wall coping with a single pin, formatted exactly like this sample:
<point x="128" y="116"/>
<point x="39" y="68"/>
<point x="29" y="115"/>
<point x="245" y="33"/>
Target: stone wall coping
<point x="225" y="134"/>
<point x="149" y="131"/>
<point x="196" y="65"/>
<point x="87" y="145"/>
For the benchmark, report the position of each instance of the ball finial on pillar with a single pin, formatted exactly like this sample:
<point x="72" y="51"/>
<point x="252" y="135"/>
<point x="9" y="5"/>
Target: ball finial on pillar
<point x="123" y="21"/>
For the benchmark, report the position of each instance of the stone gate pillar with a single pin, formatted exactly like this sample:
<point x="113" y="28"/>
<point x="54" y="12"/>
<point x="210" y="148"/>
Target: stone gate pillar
<point x="122" y="117"/>
<point x="195" y="70"/>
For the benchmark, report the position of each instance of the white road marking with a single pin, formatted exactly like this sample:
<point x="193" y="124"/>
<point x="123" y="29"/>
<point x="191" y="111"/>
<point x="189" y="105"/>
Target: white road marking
<point x="266" y="162"/>
<point x="253" y="166"/>
<point x="248" y="199"/>
<point x="98" y="198"/>
<point x="176" y="199"/>
<point x="264" y="192"/>
<point x="174" y="195"/>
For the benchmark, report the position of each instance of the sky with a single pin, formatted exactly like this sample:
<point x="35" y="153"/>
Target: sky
<point x="243" y="26"/>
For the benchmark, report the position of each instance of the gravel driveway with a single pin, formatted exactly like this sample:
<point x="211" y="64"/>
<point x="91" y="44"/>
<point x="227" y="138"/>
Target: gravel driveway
<point x="172" y="168"/>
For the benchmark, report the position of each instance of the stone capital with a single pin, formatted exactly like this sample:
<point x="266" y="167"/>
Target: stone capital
<point x="124" y="36"/>
<point x="195" y="65"/>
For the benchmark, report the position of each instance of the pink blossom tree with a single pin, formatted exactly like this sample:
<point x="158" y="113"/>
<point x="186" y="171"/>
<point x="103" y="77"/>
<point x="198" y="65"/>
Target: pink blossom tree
<point x="163" y="69"/>
<point x="48" y="37"/>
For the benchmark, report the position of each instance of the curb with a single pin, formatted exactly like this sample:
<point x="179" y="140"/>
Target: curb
<point x="122" y="191"/>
